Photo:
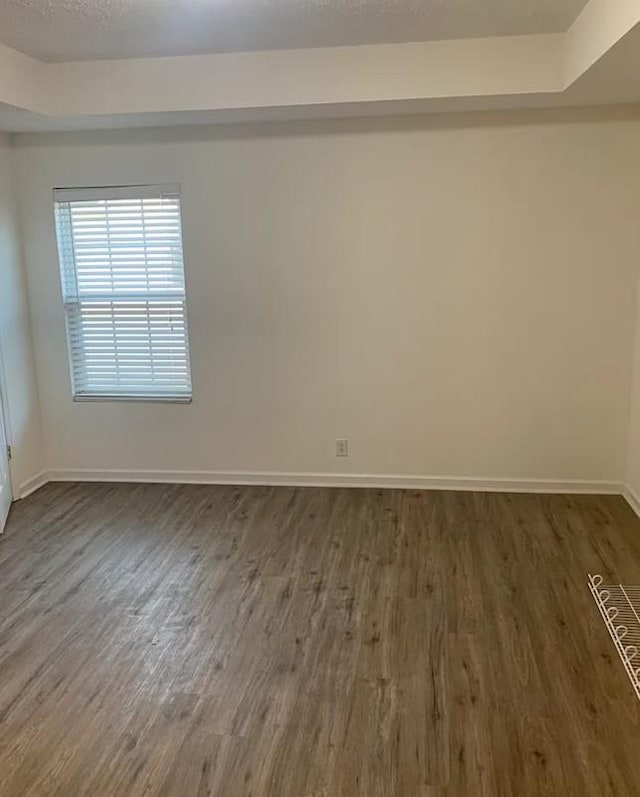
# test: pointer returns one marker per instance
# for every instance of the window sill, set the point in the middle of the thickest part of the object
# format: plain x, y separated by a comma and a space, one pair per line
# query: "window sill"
137, 399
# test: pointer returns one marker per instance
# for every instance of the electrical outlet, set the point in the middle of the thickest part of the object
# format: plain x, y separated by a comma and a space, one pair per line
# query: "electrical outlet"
342, 448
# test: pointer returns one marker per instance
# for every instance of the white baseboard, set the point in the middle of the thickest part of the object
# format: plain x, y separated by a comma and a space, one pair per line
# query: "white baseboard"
632, 499
472, 484
34, 483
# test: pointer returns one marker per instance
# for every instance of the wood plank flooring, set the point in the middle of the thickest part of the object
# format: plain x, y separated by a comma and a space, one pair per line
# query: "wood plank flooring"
277, 642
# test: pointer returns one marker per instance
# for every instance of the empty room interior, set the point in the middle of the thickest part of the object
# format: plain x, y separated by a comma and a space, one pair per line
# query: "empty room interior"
319, 398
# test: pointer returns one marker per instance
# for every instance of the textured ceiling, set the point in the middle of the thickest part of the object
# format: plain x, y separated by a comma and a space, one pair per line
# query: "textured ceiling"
67, 30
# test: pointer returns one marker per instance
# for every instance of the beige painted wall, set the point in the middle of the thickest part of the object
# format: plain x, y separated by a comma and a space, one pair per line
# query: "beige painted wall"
456, 295
15, 336
633, 461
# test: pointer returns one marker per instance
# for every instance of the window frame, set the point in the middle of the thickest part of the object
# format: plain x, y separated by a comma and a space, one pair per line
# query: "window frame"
96, 193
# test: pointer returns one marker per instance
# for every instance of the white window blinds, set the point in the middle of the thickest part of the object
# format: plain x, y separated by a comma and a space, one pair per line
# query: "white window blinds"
121, 265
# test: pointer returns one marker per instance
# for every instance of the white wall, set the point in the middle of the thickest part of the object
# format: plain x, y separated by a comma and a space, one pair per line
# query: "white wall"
456, 295
15, 337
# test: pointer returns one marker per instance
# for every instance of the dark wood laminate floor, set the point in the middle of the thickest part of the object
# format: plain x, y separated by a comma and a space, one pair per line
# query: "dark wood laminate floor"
189, 641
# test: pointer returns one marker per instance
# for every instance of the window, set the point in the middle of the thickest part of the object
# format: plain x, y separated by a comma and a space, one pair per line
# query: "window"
122, 272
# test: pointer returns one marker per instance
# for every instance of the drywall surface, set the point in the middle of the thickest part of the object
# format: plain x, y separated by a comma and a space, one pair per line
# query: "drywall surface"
455, 295
15, 337
633, 463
